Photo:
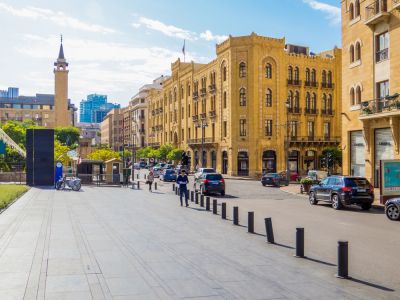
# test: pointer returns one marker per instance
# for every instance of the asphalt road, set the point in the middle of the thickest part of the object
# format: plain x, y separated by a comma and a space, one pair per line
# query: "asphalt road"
374, 241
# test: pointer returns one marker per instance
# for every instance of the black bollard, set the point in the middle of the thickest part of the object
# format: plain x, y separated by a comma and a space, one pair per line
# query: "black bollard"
192, 196
223, 211
155, 185
299, 242
207, 203
176, 190
235, 215
138, 185
197, 198
201, 200
250, 222
173, 187
215, 207
269, 230
343, 260
144, 176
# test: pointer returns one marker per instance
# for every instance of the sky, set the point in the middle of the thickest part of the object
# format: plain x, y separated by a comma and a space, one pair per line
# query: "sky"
115, 47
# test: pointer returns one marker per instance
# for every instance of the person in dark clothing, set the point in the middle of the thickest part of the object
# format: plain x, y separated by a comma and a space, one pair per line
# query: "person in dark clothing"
183, 181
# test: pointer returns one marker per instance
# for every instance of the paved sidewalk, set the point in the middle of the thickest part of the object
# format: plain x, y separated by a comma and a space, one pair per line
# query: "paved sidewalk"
118, 243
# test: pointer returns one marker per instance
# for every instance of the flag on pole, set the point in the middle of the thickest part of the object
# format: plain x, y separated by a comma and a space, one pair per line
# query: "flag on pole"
184, 50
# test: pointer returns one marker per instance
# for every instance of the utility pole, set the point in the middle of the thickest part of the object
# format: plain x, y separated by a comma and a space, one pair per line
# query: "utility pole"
287, 103
203, 124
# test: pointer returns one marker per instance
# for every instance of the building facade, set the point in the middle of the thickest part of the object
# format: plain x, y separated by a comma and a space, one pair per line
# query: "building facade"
371, 85
238, 112
95, 108
43, 109
112, 129
11, 92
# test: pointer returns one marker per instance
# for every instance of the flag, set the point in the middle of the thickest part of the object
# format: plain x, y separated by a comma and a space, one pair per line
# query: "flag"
183, 48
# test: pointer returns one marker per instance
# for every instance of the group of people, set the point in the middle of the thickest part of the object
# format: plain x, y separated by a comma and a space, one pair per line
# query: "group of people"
182, 180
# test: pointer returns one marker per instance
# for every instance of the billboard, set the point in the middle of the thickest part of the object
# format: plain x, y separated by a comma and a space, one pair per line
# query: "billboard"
390, 177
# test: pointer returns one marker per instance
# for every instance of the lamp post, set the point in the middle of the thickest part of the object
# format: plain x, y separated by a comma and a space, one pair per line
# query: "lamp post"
287, 103
203, 124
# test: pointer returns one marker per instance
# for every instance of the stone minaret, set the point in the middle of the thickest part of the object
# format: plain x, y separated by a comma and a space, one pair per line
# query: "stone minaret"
62, 115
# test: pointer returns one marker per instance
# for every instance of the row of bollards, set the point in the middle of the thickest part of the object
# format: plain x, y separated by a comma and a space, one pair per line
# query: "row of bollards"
342, 271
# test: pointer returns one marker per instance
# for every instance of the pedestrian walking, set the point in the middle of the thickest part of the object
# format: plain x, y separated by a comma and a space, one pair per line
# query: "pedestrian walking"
150, 180
183, 181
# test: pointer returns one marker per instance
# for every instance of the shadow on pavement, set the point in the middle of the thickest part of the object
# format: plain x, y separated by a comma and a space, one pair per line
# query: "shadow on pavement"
354, 208
374, 285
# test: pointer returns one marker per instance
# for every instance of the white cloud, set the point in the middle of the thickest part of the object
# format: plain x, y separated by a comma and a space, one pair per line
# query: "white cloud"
136, 25
168, 30
56, 17
209, 36
333, 12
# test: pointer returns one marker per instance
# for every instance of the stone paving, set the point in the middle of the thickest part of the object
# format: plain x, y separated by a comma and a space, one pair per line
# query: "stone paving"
118, 243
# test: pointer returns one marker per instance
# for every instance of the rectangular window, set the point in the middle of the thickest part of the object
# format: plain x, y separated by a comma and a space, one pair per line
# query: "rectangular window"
225, 129
268, 127
310, 129
242, 127
327, 130
382, 46
293, 129
382, 89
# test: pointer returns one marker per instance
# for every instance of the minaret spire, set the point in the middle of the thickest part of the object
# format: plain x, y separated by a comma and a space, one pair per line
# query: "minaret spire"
61, 52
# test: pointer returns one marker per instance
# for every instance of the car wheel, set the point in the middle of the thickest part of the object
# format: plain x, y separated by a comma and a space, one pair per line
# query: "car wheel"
223, 193
366, 206
264, 184
313, 199
336, 204
393, 212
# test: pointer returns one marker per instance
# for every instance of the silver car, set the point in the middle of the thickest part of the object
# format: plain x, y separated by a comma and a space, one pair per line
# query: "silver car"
392, 209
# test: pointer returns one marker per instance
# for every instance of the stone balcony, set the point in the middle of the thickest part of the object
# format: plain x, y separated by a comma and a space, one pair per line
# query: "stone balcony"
376, 12
380, 108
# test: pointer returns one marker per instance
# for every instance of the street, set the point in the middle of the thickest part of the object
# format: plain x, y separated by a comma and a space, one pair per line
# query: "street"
374, 242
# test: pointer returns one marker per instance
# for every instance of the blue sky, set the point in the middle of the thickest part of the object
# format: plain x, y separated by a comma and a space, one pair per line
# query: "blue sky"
114, 47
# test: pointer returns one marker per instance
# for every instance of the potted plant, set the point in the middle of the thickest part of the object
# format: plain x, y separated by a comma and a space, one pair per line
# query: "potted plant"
306, 184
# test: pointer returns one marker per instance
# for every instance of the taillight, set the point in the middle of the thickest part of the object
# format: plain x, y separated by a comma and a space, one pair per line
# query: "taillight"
222, 180
371, 188
347, 189
206, 181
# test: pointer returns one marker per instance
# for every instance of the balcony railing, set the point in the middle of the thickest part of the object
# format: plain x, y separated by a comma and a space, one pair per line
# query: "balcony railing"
203, 92
315, 139
212, 88
195, 95
203, 116
382, 55
376, 12
212, 113
155, 144
200, 141
195, 118
310, 111
311, 83
327, 112
295, 82
388, 105
294, 110
327, 85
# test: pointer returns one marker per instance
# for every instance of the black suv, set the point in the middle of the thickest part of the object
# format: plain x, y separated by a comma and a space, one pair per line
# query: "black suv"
210, 183
343, 190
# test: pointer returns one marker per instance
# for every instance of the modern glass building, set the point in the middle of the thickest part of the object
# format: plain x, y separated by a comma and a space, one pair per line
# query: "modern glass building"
95, 108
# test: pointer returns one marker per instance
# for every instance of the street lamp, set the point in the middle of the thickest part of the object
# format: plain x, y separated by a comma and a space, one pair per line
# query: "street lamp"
287, 103
203, 124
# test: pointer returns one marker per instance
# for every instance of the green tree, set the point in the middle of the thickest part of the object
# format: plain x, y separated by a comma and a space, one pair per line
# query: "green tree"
164, 150
103, 154
17, 130
175, 155
153, 153
143, 152
68, 135
331, 158
60, 153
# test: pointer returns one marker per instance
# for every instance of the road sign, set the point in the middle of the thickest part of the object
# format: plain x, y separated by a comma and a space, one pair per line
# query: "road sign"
72, 153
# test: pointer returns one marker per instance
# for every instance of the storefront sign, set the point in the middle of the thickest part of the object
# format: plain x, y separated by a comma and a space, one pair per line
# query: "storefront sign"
390, 178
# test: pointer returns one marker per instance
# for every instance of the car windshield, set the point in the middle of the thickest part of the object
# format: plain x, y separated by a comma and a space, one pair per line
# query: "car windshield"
208, 170
272, 175
356, 182
169, 172
214, 177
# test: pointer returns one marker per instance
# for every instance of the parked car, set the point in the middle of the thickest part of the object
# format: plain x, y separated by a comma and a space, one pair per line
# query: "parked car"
275, 179
343, 190
143, 165
392, 209
293, 175
202, 171
210, 183
157, 172
168, 175
136, 166
168, 167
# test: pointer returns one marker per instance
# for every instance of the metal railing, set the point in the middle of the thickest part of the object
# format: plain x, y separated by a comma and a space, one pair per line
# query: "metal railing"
295, 82
294, 110
310, 111
382, 55
212, 114
317, 139
375, 8
380, 105
311, 83
199, 141
327, 112
327, 85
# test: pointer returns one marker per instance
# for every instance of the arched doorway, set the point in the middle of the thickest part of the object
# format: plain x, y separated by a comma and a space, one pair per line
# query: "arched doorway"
243, 163
310, 160
213, 160
204, 159
224, 162
269, 161
294, 158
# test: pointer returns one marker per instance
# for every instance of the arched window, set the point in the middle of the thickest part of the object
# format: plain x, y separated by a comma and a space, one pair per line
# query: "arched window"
308, 75
357, 8
313, 75
329, 103
242, 97
224, 73
329, 77
358, 95
225, 100
290, 98
242, 70
314, 101
268, 71
297, 99
296, 73
351, 11
358, 51
323, 76
324, 102
351, 54
290, 73
308, 101
352, 97
268, 98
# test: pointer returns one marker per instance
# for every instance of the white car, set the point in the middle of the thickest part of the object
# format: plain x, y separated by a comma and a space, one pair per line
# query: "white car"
202, 171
